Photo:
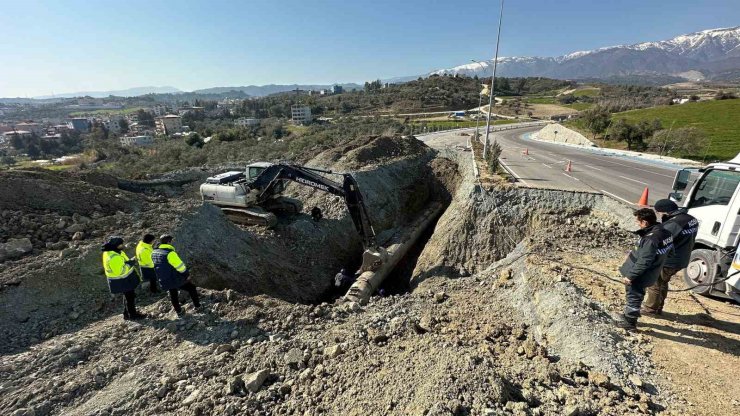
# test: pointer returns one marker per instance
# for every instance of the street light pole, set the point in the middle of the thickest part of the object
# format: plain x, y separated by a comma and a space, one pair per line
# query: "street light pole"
493, 80
480, 101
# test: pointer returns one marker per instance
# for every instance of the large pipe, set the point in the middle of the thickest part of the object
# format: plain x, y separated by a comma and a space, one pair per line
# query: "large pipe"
371, 278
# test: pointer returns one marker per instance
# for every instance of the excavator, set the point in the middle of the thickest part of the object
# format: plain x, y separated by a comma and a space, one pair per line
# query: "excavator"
252, 197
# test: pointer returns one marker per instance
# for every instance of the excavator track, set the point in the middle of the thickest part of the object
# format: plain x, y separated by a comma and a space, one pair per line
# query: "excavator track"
250, 216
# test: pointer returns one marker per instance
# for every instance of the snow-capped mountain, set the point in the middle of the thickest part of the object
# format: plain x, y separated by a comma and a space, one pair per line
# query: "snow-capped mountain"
704, 53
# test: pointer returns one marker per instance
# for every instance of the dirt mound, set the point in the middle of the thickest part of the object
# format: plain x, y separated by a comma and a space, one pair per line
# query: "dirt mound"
371, 151
40, 190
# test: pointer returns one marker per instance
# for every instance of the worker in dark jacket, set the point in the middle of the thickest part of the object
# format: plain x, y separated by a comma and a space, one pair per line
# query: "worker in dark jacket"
172, 273
642, 266
121, 275
342, 281
683, 227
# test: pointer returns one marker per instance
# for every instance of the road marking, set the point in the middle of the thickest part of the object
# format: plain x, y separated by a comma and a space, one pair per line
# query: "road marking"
547, 166
572, 177
634, 180
614, 196
515, 175
644, 170
591, 167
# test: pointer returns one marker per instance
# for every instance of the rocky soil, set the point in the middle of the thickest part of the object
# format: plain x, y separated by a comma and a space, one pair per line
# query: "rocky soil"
505, 315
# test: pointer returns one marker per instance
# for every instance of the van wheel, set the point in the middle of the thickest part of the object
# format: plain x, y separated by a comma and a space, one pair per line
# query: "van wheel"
701, 270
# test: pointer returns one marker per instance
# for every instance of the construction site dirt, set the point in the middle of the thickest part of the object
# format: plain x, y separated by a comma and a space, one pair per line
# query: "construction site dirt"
502, 307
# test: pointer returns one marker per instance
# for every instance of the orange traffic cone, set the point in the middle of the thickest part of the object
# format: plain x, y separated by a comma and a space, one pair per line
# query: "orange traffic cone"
569, 167
643, 202
526, 151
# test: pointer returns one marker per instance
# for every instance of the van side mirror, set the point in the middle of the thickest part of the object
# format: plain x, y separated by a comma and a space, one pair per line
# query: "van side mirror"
675, 196
681, 181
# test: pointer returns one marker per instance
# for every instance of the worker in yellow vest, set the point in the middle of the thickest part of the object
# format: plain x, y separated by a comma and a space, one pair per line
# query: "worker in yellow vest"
121, 275
146, 265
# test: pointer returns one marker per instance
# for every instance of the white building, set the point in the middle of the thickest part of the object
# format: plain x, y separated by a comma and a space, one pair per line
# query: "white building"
137, 141
301, 114
113, 125
245, 122
159, 110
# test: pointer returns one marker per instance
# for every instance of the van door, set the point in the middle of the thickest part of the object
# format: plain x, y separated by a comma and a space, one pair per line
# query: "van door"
715, 204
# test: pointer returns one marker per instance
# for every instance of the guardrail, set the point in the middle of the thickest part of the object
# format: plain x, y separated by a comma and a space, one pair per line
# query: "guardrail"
502, 127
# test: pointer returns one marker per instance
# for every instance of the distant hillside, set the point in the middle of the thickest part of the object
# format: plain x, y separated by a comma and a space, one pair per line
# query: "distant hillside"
718, 119
130, 92
263, 90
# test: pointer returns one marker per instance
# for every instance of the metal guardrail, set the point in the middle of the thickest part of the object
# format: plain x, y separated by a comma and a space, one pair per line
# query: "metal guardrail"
502, 127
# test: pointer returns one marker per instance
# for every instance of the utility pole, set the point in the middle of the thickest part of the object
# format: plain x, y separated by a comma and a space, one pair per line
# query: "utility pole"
493, 80
480, 101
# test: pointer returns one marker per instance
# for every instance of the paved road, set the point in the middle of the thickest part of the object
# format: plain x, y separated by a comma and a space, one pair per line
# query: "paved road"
621, 177
624, 178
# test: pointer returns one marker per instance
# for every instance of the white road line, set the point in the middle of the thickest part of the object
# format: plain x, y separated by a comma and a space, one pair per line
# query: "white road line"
547, 166
572, 177
644, 170
614, 196
634, 180
515, 175
591, 167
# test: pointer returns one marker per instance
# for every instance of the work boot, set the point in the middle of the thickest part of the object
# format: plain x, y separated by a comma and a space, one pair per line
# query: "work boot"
650, 311
630, 324
135, 316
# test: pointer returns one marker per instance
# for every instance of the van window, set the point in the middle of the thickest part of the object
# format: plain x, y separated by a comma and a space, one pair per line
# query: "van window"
716, 188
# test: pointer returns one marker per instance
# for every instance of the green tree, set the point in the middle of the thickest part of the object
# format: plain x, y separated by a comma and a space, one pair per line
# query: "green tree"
567, 99
194, 140
596, 119
124, 125
7, 160
33, 151
145, 118
683, 141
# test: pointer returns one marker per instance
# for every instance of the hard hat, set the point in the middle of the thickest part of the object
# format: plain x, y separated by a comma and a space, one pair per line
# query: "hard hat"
165, 237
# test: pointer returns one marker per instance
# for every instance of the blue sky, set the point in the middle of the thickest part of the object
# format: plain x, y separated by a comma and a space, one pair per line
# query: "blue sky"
70, 45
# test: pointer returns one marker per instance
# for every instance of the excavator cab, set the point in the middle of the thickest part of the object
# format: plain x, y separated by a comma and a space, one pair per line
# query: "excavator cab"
255, 169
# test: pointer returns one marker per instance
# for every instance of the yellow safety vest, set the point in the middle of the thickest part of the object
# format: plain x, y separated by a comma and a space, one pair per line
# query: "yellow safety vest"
144, 255
173, 258
115, 265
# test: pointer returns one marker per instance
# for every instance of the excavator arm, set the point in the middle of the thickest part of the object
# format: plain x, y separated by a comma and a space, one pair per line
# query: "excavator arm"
270, 179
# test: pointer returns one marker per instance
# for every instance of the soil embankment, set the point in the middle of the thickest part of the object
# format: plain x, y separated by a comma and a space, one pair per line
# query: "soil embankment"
508, 314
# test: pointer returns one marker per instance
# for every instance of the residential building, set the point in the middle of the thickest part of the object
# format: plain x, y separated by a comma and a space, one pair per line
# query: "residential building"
136, 140
169, 124
113, 125
34, 128
301, 114
337, 89
20, 133
193, 109
81, 124
159, 110
137, 129
246, 122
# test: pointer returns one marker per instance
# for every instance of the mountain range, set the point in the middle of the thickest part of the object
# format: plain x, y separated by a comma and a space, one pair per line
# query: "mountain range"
130, 92
709, 54
263, 90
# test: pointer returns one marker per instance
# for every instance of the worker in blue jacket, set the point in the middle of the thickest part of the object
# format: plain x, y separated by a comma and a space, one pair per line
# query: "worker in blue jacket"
172, 273
643, 265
